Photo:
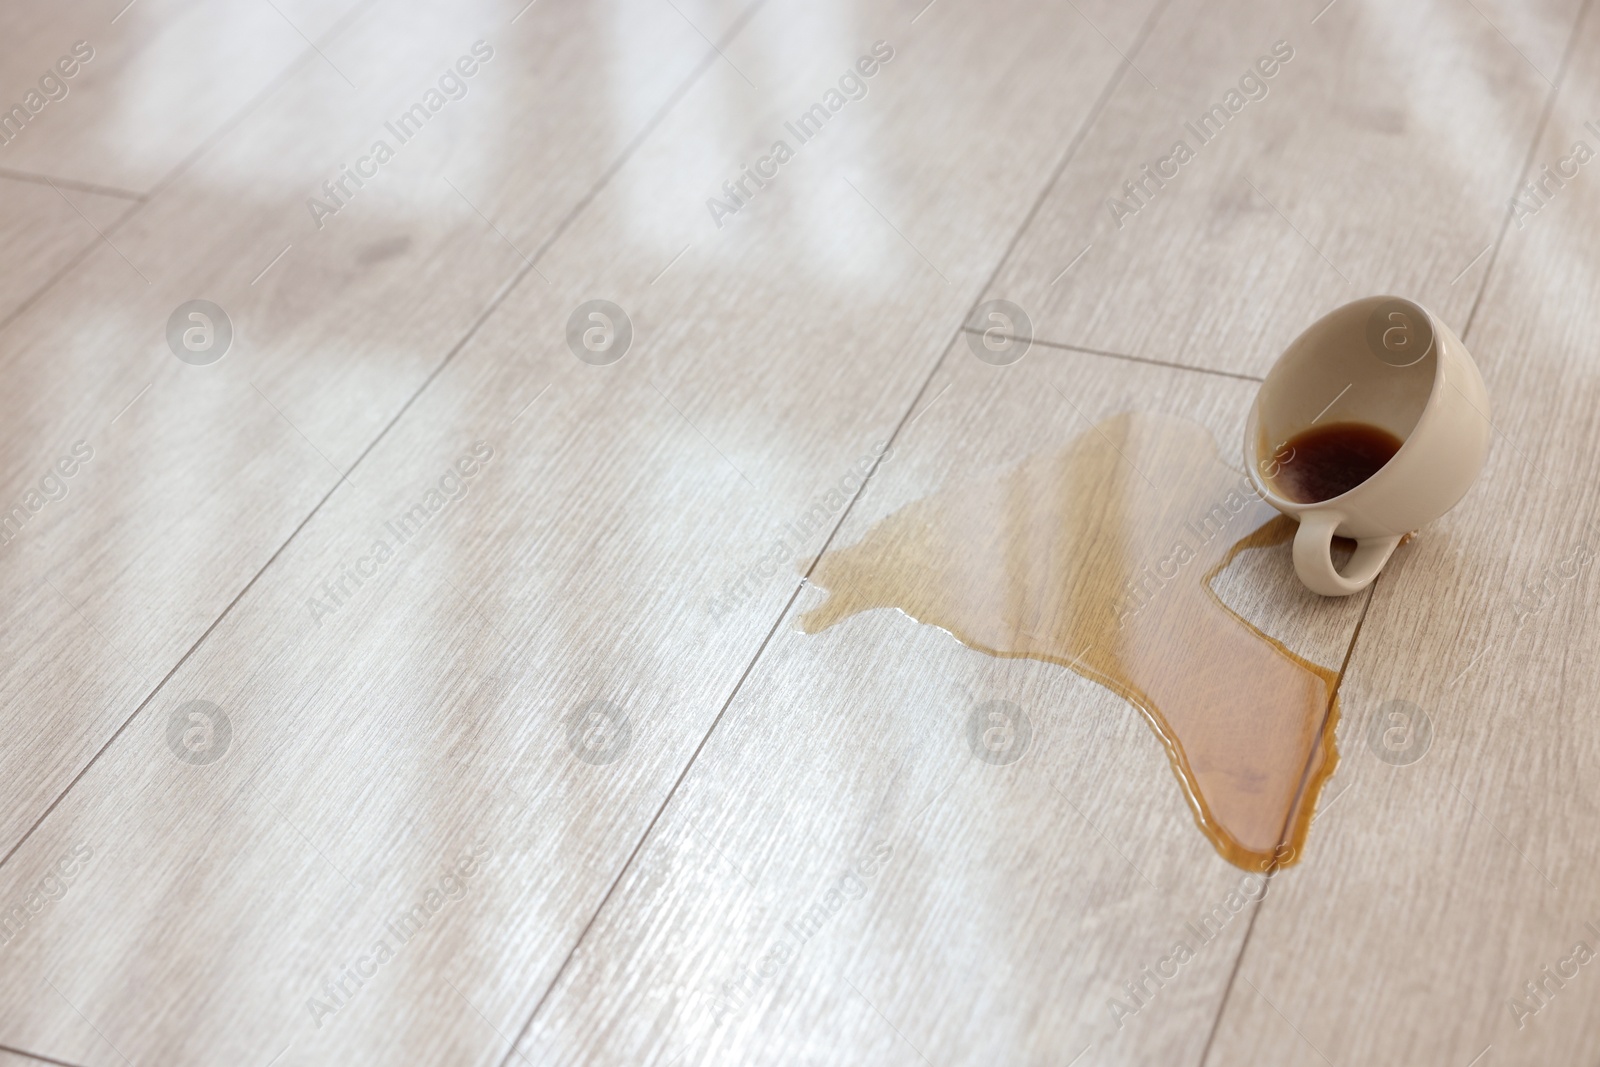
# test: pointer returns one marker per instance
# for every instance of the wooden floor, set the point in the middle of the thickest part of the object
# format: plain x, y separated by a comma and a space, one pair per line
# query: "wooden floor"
578, 791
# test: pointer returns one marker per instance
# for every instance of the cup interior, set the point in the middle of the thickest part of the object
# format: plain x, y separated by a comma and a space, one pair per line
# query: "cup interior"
1373, 361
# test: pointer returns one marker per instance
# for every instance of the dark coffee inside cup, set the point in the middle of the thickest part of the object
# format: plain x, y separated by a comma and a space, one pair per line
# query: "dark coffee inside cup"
1327, 461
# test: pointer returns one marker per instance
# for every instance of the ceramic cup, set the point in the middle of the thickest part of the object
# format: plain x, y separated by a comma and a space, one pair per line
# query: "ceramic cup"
1387, 362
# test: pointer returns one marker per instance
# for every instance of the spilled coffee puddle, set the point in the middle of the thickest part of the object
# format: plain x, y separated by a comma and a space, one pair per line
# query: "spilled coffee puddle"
1099, 558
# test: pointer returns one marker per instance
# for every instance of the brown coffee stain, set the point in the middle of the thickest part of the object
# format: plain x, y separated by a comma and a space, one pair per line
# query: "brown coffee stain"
1099, 558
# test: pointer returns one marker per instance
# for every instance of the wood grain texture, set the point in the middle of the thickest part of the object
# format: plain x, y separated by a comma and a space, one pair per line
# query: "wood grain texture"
1017, 899
1447, 884
8, 1059
44, 230
426, 714
164, 77
200, 474
1378, 161
408, 758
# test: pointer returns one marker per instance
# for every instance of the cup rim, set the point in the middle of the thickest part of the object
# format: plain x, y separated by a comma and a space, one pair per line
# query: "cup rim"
1428, 416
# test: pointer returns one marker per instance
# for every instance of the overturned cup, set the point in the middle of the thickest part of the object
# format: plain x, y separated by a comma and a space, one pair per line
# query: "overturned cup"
1373, 423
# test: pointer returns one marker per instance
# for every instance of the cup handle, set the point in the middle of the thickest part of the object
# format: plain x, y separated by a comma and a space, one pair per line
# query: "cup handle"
1313, 556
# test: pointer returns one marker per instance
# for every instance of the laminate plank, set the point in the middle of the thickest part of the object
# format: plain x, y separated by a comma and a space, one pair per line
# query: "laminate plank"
196, 475
150, 81
584, 538
8, 1059
1015, 900
429, 711
581, 554
1451, 880
1377, 160
691, 915
43, 229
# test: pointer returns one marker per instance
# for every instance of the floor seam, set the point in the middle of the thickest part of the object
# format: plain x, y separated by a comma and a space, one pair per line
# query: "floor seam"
70, 183
183, 166
1527, 163
39, 1057
1073, 145
1151, 360
733, 31
73, 262
505, 290
1333, 697
339, 27
1071, 151
1483, 287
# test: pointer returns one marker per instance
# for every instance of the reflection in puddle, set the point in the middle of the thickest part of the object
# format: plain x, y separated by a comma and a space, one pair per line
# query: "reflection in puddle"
1099, 558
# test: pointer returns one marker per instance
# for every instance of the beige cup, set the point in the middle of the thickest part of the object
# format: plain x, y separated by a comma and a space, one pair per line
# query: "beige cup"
1386, 362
